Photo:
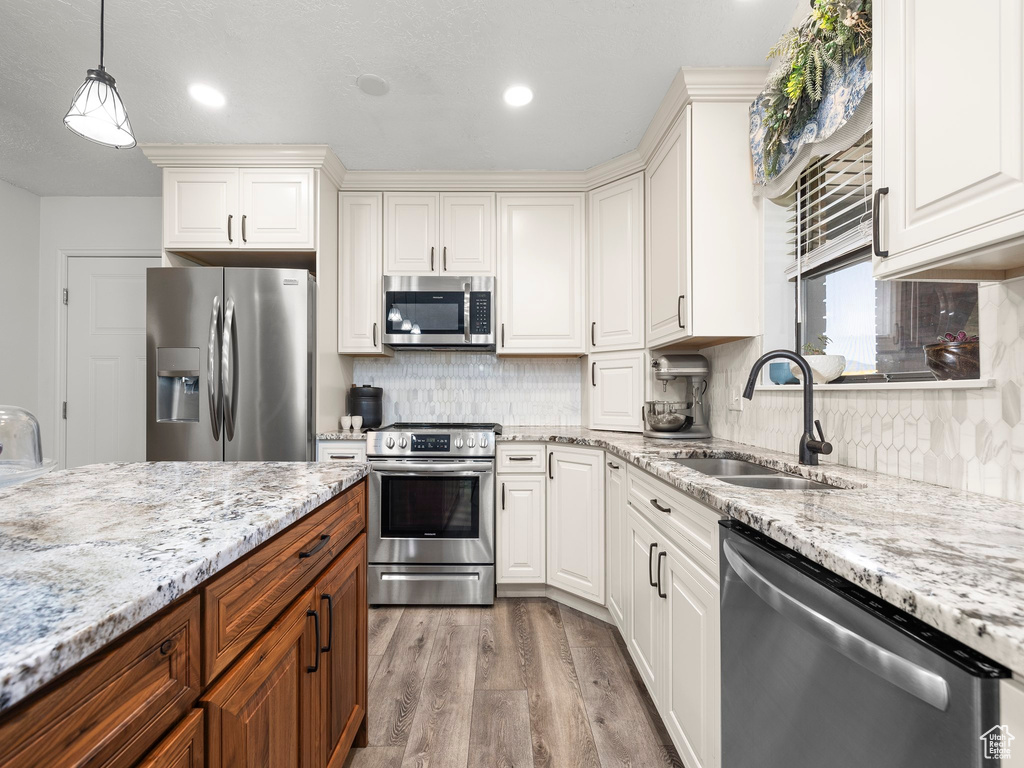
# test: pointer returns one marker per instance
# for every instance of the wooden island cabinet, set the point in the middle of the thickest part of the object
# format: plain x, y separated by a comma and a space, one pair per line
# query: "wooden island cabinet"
264, 664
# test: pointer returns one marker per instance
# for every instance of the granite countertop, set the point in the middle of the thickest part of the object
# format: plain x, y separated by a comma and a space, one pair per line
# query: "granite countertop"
348, 434
953, 559
86, 554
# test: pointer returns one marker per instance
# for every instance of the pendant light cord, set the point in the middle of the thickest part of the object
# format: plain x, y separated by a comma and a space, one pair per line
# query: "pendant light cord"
101, 33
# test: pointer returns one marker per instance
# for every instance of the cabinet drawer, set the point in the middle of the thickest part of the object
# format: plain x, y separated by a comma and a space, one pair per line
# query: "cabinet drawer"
341, 450
182, 747
695, 526
244, 600
113, 708
520, 457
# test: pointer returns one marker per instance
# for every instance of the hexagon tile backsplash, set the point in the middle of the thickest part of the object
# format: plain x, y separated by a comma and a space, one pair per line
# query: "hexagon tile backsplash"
964, 439
470, 386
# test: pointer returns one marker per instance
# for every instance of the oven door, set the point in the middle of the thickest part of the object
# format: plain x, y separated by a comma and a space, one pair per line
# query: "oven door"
431, 511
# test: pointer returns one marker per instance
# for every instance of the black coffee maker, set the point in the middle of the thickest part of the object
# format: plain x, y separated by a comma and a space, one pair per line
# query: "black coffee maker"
368, 402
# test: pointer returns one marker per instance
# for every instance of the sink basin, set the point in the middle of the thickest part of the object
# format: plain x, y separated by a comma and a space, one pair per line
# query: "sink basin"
779, 482
725, 467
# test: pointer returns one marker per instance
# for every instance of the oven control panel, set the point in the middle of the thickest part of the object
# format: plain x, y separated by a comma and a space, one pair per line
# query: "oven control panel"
431, 443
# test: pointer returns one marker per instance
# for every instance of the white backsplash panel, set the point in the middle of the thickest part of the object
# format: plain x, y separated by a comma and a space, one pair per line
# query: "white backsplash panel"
470, 386
963, 439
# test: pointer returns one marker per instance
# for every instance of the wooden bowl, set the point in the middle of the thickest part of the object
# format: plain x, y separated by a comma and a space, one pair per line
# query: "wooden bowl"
953, 359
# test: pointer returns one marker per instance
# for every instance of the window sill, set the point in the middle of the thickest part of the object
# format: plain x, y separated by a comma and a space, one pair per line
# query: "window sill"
884, 385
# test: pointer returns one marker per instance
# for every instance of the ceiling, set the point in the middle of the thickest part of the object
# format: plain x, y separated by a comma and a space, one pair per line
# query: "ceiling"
598, 68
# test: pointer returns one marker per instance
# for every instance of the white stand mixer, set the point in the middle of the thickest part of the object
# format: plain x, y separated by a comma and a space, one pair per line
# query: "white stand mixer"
685, 417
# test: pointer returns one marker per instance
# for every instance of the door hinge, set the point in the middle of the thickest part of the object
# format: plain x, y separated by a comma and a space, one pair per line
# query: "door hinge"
64, 410
65, 296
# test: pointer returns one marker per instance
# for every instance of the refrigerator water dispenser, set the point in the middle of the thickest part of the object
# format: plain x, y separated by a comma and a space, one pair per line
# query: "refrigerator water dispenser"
177, 384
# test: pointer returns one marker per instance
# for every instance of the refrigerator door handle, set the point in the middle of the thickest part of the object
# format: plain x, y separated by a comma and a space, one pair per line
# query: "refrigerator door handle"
212, 379
227, 373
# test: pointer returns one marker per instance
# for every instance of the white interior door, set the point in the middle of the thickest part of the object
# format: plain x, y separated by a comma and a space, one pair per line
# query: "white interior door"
106, 359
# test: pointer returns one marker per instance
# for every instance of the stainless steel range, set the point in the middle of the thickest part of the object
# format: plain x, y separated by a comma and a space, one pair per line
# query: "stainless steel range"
431, 510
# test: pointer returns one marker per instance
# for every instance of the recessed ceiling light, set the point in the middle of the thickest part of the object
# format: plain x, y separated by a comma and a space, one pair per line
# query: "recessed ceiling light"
518, 95
372, 85
206, 95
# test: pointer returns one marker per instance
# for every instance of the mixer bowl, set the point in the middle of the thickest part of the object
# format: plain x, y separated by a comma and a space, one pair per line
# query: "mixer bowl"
666, 415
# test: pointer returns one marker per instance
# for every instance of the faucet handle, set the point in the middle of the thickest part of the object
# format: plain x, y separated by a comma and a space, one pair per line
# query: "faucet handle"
824, 445
817, 426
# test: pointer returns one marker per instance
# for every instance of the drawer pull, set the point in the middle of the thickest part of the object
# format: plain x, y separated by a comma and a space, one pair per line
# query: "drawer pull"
324, 538
330, 622
613, 466
316, 648
657, 506
520, 458
341, 456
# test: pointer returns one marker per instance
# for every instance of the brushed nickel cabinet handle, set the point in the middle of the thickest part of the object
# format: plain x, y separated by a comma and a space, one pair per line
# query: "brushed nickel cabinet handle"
431, 258
876, 223
593, 328
374, 334
444, 258
230, 239
593, 374
679, 311
244, 240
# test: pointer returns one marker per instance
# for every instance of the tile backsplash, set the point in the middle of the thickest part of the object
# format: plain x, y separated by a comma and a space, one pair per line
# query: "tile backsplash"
470, 386
964, 439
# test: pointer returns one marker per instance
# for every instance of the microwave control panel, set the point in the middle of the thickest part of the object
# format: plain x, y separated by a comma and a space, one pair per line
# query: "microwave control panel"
480, 313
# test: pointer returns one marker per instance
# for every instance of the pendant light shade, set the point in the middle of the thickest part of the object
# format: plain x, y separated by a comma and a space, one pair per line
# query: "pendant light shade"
97, 112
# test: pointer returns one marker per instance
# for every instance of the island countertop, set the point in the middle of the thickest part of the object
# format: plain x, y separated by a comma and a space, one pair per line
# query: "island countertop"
88, 553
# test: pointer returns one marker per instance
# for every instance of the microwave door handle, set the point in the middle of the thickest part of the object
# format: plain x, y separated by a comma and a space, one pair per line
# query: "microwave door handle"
903, 673
465, 312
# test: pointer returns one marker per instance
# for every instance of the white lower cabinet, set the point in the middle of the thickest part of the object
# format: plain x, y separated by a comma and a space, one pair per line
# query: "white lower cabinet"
519, 553
643, 624
616, 537
575, 511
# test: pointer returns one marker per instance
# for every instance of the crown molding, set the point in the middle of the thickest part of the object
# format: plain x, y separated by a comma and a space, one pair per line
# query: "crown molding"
318, 156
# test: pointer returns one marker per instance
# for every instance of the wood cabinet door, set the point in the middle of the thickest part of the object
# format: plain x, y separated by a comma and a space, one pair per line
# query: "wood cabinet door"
692, 673
643, 615
616, 265
264, 710
614, 392
467, 234
411, 243
341, 595
541, 274
949, 144
575, 491
183, 747
617, 538
278, 209
520, 543
360, 265
201, 208
668, 237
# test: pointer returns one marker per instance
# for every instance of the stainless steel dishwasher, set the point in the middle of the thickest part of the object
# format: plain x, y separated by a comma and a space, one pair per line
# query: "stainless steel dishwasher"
818, 672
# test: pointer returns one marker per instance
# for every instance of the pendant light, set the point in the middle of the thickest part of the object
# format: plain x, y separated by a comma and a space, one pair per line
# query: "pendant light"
96, 112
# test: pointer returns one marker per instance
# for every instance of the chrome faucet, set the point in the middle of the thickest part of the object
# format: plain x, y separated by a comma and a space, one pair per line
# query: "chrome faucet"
810, 446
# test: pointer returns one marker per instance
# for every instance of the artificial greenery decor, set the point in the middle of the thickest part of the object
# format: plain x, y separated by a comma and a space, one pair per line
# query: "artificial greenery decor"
835, 32
817, 349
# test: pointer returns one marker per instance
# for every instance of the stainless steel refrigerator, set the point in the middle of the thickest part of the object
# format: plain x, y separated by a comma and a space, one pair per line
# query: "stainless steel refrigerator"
230, 356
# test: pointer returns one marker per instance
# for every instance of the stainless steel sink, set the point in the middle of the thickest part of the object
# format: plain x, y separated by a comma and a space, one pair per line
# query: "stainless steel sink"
779, 482
725, 467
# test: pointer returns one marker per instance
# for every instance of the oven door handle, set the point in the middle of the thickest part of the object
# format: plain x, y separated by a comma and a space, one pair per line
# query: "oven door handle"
453, 468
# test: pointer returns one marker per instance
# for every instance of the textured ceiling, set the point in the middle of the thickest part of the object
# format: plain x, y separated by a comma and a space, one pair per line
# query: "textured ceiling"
598, 68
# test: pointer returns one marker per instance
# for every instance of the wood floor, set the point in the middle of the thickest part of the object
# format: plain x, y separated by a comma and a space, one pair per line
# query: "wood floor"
525, 682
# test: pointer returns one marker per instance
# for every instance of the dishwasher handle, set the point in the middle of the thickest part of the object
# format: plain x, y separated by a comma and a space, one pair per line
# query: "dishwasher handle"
903, 673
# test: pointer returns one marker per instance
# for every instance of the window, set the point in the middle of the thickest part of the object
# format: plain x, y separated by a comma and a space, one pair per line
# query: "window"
879, 326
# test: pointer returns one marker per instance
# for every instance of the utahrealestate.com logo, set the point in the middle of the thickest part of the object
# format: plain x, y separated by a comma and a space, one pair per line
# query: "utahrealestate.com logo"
997, 742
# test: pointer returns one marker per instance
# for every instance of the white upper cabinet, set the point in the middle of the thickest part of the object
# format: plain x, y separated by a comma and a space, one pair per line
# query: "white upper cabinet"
616, 265
250, 208
360, 259
467, 234
411, 242
949, 139
540, 274
277, 208
613, 392
575, 512
201, 208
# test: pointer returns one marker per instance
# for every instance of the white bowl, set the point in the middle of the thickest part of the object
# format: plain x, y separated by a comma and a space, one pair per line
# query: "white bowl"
825, 368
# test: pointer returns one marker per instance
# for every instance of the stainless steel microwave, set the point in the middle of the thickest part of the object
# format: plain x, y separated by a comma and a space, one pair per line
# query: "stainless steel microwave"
438, 312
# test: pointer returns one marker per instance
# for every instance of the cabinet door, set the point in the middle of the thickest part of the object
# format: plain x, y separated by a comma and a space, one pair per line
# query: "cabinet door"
278, 207
181, 748
575, 512
540, 266
614, 391
643, 612
520, 542
616, 265
467, 234
201, 208
410, 234
692, 689
263, 710
360, 258
617, 536
937, 206
341, 594
668, 237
